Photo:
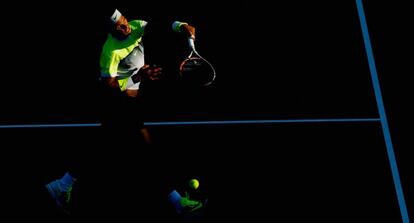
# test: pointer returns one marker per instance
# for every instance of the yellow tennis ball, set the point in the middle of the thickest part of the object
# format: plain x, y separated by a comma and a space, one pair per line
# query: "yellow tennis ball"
194, 184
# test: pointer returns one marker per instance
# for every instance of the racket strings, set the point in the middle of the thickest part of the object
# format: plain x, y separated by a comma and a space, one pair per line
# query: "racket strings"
197, 70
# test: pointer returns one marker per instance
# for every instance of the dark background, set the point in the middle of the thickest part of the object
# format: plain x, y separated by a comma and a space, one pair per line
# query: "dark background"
273, 61
392, 45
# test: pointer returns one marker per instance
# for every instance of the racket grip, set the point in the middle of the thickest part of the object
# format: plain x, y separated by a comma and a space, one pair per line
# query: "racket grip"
191, 43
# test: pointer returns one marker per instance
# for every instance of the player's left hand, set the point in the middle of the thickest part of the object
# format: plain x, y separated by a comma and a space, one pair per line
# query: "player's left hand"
189, 30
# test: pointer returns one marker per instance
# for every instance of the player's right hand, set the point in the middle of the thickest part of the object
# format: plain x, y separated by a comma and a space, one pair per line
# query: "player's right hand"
150, 72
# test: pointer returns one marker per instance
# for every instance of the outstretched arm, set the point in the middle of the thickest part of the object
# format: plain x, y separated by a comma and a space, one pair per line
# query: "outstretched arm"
112, 82
185, 28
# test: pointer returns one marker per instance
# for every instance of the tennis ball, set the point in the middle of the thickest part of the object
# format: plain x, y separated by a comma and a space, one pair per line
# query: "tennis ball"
194, 184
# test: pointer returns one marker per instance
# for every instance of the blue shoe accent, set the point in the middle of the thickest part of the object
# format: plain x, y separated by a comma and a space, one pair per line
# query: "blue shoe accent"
61, 194
174, 197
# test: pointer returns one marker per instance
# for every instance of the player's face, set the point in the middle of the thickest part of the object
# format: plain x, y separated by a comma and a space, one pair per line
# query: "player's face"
122, 28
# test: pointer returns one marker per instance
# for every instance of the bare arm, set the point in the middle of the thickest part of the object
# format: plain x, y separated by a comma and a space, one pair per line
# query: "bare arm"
111, 82
188, 30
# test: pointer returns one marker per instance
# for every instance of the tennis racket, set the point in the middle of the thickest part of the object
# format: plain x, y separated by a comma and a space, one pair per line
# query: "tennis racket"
195, 69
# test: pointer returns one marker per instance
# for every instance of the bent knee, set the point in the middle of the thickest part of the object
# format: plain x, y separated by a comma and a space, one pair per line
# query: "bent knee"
133, 93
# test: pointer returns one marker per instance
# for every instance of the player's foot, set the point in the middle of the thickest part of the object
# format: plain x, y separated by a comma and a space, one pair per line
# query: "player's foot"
61, 194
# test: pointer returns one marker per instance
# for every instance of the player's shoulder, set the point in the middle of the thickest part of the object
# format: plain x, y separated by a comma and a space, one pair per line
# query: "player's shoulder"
138, 23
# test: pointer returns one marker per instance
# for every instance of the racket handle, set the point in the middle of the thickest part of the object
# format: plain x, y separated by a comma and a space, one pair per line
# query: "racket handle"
191, 43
